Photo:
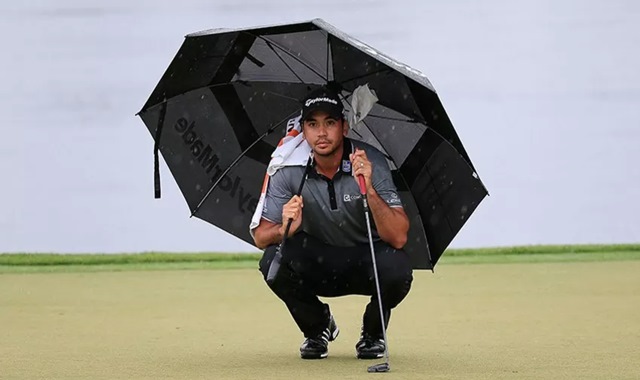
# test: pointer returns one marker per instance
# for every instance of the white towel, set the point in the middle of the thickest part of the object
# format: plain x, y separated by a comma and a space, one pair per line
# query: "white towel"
292, 150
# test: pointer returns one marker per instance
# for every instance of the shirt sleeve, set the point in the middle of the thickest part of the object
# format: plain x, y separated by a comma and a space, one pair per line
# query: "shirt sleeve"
383, 180
278, 193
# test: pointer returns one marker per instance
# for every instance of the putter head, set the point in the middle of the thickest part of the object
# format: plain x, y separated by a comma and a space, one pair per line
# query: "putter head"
382, 367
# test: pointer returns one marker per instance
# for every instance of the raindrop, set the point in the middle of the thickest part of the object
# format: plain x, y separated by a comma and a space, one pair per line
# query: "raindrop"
320, 259
198, 187
202, 97
450, 183
464, 209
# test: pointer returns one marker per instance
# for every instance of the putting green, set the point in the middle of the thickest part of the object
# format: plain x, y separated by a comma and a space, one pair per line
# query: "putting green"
483, 321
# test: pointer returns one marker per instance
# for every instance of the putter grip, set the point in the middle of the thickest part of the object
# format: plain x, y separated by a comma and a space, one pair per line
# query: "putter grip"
277, 258
274, 267
363, 186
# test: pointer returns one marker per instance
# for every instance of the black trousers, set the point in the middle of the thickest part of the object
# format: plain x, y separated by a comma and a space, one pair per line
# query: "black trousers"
312, 268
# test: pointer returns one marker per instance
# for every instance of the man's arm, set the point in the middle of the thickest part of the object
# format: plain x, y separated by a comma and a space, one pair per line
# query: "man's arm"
392, 223
277, 195
267, 233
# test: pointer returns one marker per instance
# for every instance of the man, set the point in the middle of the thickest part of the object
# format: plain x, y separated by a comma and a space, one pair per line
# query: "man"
327, 251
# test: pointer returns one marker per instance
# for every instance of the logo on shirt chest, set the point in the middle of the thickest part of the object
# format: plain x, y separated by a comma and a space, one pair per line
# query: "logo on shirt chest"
351, 197
346, 166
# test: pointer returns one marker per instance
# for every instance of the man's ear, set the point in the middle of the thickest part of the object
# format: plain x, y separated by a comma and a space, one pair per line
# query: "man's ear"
345, 127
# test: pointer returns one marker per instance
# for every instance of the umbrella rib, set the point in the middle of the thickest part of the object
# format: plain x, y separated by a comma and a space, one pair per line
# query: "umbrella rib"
328, 54
283, 61
379, 142
235, 161
395, 119
271, 44
388, 69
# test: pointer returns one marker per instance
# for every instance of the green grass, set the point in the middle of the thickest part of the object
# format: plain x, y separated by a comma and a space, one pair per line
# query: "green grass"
545, 249
473, 322
125, 258
28, 263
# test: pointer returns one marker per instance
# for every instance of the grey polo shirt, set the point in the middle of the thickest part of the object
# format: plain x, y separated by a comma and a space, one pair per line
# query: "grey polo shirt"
333, 210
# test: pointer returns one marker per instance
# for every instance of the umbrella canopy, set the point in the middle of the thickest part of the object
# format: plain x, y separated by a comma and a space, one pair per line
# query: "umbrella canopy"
221, 108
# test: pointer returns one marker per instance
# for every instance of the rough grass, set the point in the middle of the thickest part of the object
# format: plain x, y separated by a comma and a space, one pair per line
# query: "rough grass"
25, 262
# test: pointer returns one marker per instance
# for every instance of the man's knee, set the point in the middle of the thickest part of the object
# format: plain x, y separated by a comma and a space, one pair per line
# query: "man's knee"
267, 258
396, 274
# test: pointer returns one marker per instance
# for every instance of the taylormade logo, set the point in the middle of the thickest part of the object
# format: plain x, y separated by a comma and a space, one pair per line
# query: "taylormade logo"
206, 157
316, 100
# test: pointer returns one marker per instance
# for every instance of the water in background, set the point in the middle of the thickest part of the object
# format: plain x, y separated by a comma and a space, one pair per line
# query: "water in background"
544, 94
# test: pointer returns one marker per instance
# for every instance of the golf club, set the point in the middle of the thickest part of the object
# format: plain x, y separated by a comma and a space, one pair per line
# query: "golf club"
382, 367
277, 258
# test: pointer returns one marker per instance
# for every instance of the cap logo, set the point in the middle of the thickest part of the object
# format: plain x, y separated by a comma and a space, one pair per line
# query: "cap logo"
323, 99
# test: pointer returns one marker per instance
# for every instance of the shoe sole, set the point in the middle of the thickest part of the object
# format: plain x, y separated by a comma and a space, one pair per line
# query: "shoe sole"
369, 356
314, 357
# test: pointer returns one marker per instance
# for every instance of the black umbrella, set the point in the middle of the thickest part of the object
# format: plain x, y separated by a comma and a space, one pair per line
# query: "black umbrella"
221, 107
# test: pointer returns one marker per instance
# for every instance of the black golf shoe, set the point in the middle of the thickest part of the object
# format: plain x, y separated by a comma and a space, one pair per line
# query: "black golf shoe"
318, 347
370, 347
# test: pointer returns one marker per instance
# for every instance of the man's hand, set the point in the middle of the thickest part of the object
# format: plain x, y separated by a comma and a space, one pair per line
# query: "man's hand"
292, 210
360, 165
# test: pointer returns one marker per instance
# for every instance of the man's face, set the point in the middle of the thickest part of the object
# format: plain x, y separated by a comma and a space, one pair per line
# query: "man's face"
324, 133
